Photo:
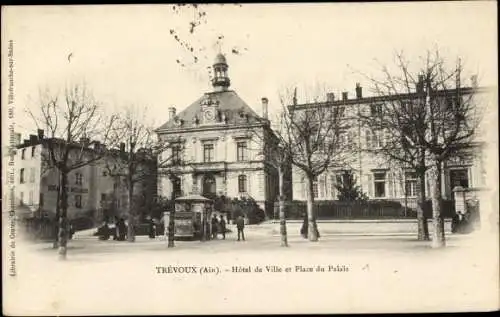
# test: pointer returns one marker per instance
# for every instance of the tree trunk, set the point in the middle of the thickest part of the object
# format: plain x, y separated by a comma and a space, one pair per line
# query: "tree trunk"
171, 223
284, 239
55, 245
312, 232
438, 240
203, 227
423, 227
131, 214
63, 219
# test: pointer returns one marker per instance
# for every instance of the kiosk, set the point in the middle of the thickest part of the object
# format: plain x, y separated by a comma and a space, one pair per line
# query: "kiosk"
192, 217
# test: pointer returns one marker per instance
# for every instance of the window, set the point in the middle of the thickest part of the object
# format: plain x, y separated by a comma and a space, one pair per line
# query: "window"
242, 151
78, 178
459, 177
450, 103
103, 197
339, 111
78, 201
33, 151
32, 175
23, 154
208, 152
176, 154
40, 202
21, 176
376, 139
368, 135
410, 184
242, 184
104, 173
339, 179
407, 107
376, 109
342, 178
379, 184
21, 198
30, 198
315, 187
333, 189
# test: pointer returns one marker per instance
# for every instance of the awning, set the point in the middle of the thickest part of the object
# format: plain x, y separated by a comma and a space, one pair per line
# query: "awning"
193, 198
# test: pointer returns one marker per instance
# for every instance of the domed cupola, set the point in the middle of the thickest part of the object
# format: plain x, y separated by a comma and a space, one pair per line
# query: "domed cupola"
220, 81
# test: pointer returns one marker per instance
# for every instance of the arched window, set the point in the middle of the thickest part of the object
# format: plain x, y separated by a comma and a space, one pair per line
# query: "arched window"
242, 184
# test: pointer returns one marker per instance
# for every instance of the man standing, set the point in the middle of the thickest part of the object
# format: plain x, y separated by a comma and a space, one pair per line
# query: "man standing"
222, 223
240, 225
214, 227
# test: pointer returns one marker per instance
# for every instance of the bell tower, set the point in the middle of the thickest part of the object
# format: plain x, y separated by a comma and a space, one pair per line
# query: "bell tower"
220, 81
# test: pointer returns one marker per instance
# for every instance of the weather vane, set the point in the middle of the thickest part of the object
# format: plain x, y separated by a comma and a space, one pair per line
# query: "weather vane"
218, 43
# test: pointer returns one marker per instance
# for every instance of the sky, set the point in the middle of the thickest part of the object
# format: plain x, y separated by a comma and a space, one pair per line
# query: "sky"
127, 56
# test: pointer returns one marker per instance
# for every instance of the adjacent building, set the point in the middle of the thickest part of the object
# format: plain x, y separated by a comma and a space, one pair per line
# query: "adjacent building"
378, 177
92, 192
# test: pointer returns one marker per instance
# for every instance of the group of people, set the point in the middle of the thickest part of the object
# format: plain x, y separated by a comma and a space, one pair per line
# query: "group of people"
219, 226
119, 231
462, 222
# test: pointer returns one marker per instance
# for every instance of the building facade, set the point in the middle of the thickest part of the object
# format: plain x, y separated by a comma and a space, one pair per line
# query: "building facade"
92, 191
220, 147
379, 178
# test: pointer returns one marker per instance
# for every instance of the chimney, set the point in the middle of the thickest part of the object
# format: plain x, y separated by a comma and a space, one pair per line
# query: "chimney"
85, 141
40, 133
97, 145
359, 91
18, 138
265, 103
344, 95
330, 97
473, 81
33, 139
171, 113
420, 83
122, 147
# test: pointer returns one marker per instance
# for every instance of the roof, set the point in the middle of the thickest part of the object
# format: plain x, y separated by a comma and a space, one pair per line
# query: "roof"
220, 59
386, 98
228, 102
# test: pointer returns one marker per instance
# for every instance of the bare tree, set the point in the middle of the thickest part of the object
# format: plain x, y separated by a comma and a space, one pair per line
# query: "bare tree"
312, 139
137, 160
276, 151
71, 121
428, 118
393, 117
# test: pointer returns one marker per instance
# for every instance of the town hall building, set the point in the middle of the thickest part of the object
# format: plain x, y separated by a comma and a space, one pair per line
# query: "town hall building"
219, 147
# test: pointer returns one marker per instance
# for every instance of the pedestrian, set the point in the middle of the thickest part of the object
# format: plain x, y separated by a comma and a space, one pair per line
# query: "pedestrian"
152, 229
455, 221
240, 225
222, 223
104, 232
71, 231
215, 224
122, 229
115, 229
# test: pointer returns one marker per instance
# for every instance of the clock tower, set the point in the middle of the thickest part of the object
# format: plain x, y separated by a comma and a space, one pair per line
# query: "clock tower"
209, 110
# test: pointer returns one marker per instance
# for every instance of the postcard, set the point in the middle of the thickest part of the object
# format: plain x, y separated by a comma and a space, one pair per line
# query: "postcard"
250, 158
